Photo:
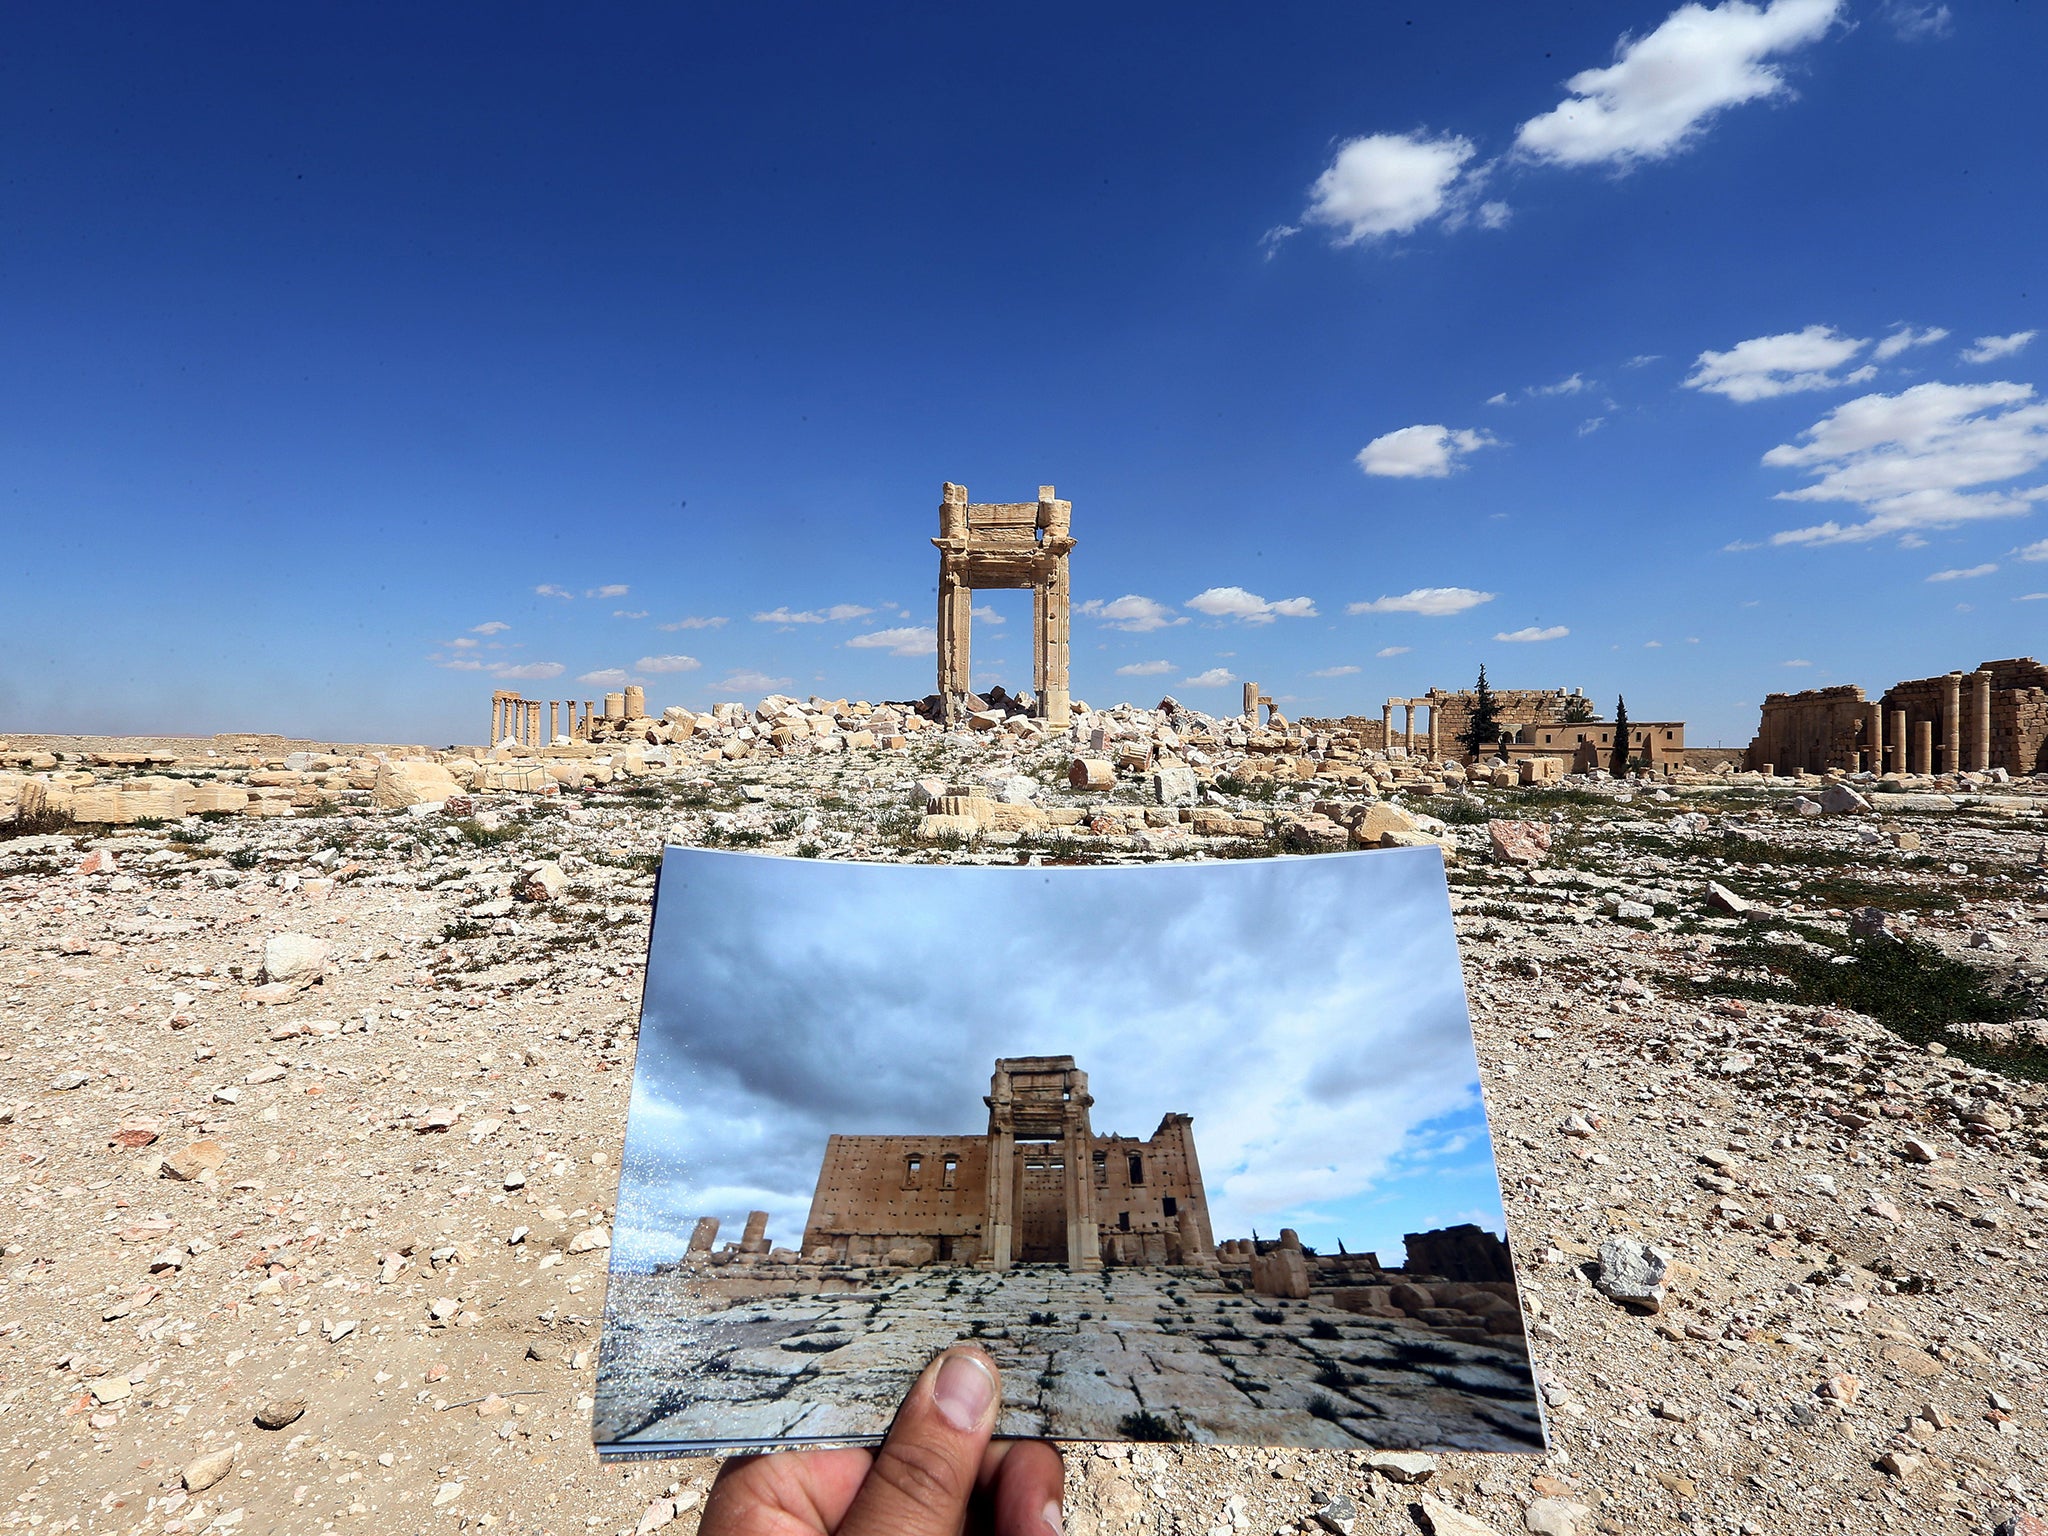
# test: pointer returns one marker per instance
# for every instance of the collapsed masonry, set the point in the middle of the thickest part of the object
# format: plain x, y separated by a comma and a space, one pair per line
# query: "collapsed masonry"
1995, 717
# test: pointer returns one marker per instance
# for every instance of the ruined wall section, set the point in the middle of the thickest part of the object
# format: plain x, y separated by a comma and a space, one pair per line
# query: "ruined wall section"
1810, 731
1141, 1220
1518, 707
869, 1197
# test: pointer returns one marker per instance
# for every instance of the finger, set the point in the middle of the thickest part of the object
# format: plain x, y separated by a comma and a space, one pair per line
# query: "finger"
925, 1471
784, 1494
1023, 1483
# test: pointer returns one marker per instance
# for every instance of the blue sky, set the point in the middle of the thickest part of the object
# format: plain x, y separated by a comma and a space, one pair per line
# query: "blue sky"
1326, 1058
1597, 344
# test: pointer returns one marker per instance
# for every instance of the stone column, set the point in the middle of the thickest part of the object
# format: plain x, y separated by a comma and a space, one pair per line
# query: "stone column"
1041, 641
1251, 702
1435, 749
1898, 742
1408, 731
497, 707
1980, 706
756, 1238
1387, 726
554, 720
1873, 737
589, 714
1952, 723
705, 1234
1923, 746
636, 702
1084, 1242
615, 706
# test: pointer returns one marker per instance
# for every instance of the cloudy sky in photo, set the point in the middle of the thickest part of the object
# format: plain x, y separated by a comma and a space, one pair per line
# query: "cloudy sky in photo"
1309, 1013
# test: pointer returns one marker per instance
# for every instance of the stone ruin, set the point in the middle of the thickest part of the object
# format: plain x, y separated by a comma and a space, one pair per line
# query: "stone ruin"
1993, 718
1005, 544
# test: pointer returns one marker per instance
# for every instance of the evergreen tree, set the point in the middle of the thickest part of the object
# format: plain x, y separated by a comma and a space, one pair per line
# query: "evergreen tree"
1618, 761
1484, 726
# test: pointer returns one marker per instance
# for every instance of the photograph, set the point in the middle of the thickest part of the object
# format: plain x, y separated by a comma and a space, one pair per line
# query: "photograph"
1197, 1152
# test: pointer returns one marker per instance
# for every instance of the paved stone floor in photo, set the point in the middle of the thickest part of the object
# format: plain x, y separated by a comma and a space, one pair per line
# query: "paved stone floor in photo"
1121, 1355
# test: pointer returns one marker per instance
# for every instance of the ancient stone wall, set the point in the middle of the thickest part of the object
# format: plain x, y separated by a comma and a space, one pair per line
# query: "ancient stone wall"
1810, 731
1518, 707
895, 1187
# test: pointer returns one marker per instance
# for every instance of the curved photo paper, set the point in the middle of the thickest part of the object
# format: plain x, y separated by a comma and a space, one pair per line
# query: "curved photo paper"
1196, 1151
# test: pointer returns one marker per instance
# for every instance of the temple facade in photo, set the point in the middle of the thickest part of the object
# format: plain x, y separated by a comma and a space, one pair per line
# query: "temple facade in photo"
1038, 1186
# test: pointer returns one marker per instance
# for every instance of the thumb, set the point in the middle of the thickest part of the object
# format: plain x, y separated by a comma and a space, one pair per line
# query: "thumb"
924, 1473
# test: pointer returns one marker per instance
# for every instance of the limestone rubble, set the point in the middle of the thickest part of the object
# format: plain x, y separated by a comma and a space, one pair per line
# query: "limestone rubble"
382, 1184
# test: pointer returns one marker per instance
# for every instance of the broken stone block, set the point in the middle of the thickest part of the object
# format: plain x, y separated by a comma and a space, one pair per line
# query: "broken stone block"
295, 959
1525, 843
1091, 773
1174, 784
1632, 1273
1718, 895
409, 782
1841, 800
1283, 1272
541, 882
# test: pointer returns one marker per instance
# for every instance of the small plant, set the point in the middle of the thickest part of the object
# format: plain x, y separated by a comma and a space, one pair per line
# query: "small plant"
1042, 1319
477, 835
244, 858
148, 823
462, 929
1323, 1328
1332, 1376
1268, 1316
808, 849
1321, 1406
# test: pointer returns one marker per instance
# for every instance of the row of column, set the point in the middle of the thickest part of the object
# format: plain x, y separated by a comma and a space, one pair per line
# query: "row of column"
520, 719
1408, 735
1910, 747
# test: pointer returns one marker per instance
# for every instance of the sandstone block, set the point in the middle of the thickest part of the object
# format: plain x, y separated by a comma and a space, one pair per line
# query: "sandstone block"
1524, 843
407, 783
1091, 773
939, 828
295, 959
1283, 1272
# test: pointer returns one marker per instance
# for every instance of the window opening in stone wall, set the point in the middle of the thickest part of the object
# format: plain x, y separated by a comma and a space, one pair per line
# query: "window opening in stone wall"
1172, 1205
951, 1167
1137, 1169
1102, 1168
1123, 1221
911, 1167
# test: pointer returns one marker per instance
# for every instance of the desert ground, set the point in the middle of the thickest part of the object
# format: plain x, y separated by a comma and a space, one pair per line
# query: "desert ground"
304, 1236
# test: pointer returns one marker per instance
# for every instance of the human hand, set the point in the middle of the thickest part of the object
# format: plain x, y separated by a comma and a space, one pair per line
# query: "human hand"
937, 1474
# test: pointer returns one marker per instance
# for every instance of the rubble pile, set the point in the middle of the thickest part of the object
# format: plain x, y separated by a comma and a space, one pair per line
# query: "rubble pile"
310, 1104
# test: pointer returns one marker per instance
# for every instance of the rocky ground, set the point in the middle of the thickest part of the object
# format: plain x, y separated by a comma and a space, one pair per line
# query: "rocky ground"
302, 1237
1084, 1357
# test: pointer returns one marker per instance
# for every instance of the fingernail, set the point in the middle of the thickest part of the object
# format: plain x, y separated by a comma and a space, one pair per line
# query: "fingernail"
1051, 1517
964, 1390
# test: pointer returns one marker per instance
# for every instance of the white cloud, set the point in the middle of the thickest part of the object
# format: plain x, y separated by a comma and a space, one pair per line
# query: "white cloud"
2035, 551
1989, 349
1532, 633
1965, 573
1425, 452
1130, 612
1927, 457
2032, 597
1236, 603
629, 613
1591, 425
1387, 184
1215, 677
910, 640
462, 643
458, 663
667, 664
1333, 672
987, 614
1570, 386
606, 677
1653, 645
1767, 366
1902, 338
616, 589
1802, 662
749, 682
494, 627
1643, 359
1145, 669
1499, 399
549, 589
1431, 602
1664, 86
837, 613
1494, 215
716, 621
1913, 21
529, 672
1392, 650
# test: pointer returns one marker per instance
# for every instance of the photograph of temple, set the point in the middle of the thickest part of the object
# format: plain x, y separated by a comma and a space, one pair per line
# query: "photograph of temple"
914, 1155
1039, 1186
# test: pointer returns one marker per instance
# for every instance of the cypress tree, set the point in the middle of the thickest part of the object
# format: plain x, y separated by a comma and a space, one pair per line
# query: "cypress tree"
1618, 761
1484, 726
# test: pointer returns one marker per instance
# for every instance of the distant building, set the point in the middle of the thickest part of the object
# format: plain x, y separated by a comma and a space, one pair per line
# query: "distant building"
1590, 743
1993, 717
1039, 1186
